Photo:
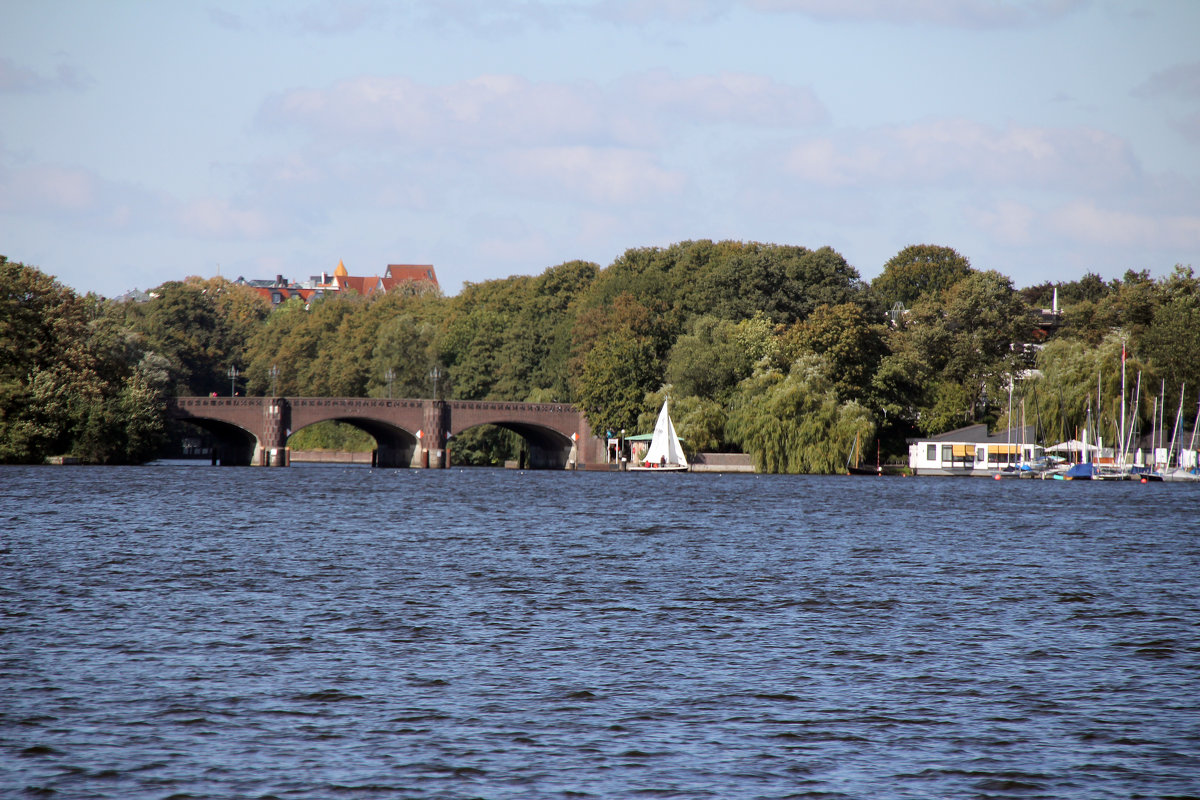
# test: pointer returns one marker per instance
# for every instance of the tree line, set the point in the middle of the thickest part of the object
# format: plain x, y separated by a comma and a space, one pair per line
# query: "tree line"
779, 351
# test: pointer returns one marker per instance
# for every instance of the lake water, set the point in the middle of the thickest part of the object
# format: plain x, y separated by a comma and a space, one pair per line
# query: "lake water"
340, 632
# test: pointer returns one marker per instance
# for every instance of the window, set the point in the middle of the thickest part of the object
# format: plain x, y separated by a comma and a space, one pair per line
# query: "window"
931, 453
947, 452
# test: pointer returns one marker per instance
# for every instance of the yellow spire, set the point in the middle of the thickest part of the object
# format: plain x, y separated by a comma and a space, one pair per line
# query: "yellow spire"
341, 270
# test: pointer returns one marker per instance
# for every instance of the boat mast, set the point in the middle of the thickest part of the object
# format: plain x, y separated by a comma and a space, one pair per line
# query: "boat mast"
1175, 430
1008, 436
1122, 432
1137, 398
1154, 432
1195, 424
1162, 414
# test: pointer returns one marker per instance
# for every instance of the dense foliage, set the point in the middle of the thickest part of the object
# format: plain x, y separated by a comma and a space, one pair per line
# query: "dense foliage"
778, 351
73, 377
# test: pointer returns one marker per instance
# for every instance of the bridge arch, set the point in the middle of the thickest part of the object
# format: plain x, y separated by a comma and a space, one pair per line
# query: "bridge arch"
394, 446
233, 445
550, 430
547, 448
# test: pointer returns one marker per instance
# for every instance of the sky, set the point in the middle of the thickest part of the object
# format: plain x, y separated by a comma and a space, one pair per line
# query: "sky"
144, 142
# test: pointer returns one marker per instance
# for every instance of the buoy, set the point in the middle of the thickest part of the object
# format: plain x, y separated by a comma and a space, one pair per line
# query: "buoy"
1143, 480
997, 476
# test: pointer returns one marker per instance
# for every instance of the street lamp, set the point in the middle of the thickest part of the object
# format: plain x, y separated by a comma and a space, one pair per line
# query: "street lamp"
233, 374
274, 380
389, 375
434, 374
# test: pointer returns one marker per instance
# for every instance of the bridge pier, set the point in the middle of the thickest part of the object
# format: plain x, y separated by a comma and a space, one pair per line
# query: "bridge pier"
270, 449
436, 432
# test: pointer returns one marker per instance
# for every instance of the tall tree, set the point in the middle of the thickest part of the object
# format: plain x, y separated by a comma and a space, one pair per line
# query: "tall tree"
917, 271
972, 335
849, 343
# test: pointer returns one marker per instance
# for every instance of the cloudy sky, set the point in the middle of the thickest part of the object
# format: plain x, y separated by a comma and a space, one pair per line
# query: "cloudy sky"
147, 141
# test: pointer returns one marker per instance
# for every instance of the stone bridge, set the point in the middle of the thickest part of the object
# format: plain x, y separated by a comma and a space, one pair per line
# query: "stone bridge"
408, 433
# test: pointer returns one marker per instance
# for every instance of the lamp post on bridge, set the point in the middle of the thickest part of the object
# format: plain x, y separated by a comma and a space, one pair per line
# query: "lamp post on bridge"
434, 374
389, 376
233, 374
274, 380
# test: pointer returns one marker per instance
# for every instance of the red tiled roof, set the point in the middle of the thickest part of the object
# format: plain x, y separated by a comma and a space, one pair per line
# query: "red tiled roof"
285, 293
409, 272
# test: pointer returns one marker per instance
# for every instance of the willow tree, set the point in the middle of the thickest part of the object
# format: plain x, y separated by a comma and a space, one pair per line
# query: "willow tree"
793, 422
1072, 373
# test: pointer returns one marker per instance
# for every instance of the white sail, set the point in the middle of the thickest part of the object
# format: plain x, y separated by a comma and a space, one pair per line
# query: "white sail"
664, 447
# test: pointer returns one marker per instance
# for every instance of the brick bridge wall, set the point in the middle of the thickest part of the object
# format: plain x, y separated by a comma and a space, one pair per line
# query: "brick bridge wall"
254, 430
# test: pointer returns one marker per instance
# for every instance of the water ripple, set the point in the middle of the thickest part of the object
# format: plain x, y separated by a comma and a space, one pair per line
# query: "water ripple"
332, 632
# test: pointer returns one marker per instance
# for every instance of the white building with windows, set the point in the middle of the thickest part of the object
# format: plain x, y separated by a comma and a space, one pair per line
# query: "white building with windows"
973, 451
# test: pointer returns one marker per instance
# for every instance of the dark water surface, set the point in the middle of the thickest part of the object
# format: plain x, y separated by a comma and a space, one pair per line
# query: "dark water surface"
342, 632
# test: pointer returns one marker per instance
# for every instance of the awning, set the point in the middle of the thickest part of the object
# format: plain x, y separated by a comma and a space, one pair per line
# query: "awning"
1072, 446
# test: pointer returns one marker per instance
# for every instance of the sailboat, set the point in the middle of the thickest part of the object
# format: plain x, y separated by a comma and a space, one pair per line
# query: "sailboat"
665, 454
1188, 465
856, 468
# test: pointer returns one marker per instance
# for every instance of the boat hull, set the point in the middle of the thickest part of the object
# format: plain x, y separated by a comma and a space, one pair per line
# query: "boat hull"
659, 468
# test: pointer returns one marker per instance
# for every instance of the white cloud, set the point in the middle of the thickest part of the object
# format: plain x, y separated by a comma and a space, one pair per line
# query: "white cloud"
594, 174
1086, 222
729, 98
49, 188
336, 18
639, 12
506, 110
81, 198
1008, 222
962, 153
213, 218
482, 112
951, 13
17, 79
1180, 81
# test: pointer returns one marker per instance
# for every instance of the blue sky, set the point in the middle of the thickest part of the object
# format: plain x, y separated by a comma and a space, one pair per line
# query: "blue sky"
147, 141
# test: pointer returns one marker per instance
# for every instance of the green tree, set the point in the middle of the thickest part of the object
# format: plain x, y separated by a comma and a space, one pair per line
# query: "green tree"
618, 372
486, 349
1171, 341
201, 326
617, 358
917, 271
729, 280
716, 354
851, 346
46, 375
972, 334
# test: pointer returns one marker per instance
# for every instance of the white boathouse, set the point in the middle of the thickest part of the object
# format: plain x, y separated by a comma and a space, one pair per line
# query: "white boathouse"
973, 451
